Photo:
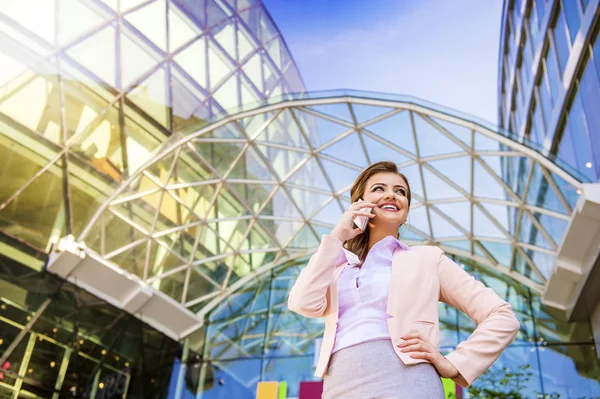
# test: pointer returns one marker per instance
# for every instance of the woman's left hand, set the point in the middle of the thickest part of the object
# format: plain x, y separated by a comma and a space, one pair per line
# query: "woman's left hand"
420, 348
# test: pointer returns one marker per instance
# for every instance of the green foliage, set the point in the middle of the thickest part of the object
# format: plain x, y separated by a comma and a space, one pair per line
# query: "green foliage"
505, 384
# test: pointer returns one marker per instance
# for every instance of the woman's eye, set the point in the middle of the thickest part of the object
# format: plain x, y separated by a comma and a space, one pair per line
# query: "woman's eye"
377, 188
401, 191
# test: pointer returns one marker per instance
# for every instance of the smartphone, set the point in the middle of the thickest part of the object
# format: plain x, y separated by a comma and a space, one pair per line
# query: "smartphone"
361, 221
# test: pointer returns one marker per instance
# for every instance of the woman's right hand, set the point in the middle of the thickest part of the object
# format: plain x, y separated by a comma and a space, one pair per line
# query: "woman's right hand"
346, 229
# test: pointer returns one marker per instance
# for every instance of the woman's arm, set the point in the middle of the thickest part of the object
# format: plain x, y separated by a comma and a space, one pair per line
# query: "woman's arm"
497, 325
308, 296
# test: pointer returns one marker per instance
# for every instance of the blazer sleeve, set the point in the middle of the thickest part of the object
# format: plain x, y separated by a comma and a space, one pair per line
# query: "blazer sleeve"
308, 296
497, 325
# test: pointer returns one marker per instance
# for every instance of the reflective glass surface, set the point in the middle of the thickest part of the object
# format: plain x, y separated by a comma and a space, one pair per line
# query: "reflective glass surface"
73, 344
217, 206
89, 89
254, 332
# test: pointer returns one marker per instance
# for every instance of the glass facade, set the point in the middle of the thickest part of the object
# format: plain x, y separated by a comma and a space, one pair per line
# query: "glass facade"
163, 135
556, 42
252, 336
59, 341
256, 191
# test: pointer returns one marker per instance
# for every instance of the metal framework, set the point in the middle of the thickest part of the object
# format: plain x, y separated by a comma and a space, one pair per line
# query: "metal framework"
214, 209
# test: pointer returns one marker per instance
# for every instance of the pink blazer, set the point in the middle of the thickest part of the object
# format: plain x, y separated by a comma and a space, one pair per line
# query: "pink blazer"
421, 277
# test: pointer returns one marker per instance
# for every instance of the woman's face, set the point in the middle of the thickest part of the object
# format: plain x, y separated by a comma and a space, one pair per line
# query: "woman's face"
389, 192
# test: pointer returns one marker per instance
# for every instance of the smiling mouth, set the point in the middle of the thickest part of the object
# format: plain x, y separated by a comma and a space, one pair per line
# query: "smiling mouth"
390, 208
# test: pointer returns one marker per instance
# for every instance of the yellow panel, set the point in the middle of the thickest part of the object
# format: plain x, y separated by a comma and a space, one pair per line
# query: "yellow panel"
267, 390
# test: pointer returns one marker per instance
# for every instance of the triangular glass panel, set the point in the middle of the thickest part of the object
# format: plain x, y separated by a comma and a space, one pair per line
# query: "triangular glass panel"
341, 176
484, 227
181, 28
437, 188
381, 152
330, 214
310, 175
185, 104
556, 228
227, 95
161, 259
319, 130
219, 66
251, 18
308, 201
304, 239
249, 97
193, 60
275, 48
251, 166
160, 169
485, 186
419, 220
337, 111
224, 34
99, 46
568, 191
348, 149
190, 168
413, 175
151, 21
125, 5
479, 251
409, 234
151, 97
442, 228
215, 13
254, 124
253, 70
74, 19
530, 234
501, 252
459, 212
282, 161
280, 205
485, 143
137, 58
254, 194
500, 213
396, 129
462, 133
246, 44
268, 27
545, 263
431, 140
458, 170
364, 113
31, 18
219, 155
199, 286
464, 245
283, 130
132, 259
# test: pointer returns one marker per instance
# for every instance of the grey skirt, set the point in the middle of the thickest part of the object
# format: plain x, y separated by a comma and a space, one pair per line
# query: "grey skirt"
372, 370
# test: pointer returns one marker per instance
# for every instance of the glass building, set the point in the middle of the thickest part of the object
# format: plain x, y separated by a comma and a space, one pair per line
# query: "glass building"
162, 188
549, 79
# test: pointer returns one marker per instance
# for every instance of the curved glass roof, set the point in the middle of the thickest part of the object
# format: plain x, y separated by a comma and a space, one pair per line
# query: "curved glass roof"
213, 210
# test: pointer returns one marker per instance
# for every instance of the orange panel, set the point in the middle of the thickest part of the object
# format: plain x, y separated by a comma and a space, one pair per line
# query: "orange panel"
267, 390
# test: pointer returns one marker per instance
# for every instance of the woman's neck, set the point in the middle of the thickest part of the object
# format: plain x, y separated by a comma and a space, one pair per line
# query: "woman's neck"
378, 234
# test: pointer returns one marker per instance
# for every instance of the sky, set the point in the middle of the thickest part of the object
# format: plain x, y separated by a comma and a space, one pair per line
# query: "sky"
443, 51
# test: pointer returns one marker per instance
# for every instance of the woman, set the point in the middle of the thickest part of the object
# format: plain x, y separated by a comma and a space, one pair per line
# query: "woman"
380, 303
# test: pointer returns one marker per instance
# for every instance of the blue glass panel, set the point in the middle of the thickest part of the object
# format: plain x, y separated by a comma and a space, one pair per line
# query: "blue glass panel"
573, 21
554, 77
561, 40
589, 91
581, 138
563, 376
